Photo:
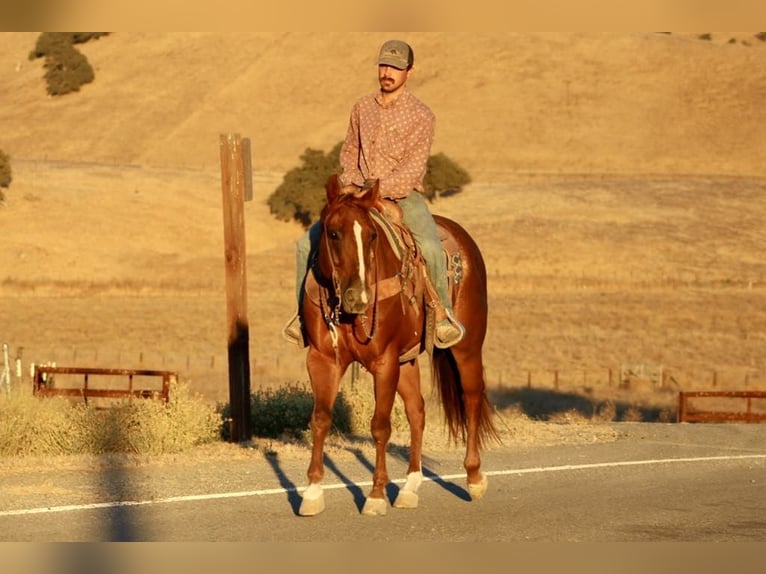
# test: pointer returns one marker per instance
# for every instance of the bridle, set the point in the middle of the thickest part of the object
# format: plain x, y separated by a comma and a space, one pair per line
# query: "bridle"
332, 313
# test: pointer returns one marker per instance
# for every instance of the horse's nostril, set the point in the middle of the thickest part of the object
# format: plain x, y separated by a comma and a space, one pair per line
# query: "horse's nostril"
350, 297
354, 300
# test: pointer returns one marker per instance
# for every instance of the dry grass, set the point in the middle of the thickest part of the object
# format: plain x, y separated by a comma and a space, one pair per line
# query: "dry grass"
54, 426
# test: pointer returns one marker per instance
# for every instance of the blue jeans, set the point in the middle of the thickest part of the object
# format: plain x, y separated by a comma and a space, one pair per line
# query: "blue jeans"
420, 222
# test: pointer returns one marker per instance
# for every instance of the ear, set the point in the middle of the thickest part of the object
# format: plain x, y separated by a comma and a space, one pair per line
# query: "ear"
332, 188
370, 197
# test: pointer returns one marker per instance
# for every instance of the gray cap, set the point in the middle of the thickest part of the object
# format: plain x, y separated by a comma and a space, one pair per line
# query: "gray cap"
396, 54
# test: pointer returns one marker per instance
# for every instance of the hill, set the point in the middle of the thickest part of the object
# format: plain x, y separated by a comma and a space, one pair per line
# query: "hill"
505, 103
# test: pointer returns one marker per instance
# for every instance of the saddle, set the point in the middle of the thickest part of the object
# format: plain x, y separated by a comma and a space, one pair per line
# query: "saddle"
412, 282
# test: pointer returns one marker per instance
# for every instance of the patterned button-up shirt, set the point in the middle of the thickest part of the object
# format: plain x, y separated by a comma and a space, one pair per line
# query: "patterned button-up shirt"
388, 142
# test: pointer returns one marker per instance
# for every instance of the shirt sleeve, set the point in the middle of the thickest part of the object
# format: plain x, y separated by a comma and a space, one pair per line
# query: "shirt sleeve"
349, 152
409, 174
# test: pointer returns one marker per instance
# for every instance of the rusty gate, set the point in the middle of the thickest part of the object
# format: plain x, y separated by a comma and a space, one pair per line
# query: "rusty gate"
45, 383
686, 414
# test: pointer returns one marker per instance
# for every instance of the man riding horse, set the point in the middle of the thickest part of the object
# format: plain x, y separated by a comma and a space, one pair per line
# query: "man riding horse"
389, 139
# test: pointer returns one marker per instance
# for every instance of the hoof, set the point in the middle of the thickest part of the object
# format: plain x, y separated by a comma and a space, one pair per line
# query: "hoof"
476, 491
313, 501
375, 507
406, 499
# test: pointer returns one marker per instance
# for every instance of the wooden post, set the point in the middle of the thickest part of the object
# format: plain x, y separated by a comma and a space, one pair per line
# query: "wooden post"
233, 178
354, 374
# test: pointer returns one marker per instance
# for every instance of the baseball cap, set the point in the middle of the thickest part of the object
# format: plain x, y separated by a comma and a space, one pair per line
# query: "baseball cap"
396, 54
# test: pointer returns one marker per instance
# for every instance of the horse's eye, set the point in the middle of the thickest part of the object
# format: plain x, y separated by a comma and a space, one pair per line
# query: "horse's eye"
374, 236
334, 235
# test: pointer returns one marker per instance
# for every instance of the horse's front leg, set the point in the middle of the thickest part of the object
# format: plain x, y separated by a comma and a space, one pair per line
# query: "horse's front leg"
414, 407
325, 375
385, 373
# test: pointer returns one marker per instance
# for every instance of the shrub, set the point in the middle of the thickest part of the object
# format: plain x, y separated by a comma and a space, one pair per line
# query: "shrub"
301, 194
53, 426
444, 177
286, 412
67, 71
48, 43
66, 68
5, 172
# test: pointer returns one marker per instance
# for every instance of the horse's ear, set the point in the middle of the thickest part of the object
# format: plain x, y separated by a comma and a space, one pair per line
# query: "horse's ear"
332, 187
371, 193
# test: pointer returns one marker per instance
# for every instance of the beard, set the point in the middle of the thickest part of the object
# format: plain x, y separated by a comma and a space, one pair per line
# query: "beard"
388, 85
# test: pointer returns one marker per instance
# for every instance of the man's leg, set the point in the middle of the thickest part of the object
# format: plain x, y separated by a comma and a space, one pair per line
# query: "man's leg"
418, 218
293, 331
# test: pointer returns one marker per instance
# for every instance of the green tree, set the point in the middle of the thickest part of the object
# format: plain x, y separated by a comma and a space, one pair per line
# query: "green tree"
301, 194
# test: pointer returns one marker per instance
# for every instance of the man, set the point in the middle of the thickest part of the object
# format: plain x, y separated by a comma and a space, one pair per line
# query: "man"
389, 138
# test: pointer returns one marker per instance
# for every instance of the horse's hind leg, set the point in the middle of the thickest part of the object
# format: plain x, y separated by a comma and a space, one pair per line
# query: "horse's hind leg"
325, 383
414, 406
474, 400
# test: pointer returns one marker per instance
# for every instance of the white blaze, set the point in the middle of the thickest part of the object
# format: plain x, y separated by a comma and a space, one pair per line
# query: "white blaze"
360, 256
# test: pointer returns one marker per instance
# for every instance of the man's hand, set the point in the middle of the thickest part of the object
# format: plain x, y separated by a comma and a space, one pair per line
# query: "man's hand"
356, 191
352, 189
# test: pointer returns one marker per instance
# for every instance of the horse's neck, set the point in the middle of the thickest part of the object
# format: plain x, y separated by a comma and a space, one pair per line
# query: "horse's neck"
395, 232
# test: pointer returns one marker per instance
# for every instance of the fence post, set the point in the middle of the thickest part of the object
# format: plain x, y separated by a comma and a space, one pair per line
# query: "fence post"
5, 376
234, 187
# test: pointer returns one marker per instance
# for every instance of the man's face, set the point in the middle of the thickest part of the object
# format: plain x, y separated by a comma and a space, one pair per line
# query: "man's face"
391, 79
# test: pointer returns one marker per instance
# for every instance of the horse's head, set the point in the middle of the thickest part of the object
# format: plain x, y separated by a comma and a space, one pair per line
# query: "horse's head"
349, 239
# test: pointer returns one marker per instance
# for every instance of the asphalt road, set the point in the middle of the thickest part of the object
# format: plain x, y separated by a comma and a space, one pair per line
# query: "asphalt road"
656, 482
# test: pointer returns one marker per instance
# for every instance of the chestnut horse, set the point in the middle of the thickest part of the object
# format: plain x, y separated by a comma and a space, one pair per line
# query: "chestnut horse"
367, 303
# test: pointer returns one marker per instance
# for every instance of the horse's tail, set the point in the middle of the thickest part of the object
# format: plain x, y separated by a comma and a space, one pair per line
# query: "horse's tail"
449, 387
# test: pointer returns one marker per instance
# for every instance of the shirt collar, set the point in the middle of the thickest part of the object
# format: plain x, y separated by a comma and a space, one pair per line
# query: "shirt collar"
404, 95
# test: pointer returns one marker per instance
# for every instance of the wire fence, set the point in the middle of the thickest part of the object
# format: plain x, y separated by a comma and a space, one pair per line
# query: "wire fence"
208, 374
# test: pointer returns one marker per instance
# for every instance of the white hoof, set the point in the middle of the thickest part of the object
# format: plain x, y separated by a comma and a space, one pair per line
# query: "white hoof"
375, 507
408, 494
406, 499
313, 501
476, 491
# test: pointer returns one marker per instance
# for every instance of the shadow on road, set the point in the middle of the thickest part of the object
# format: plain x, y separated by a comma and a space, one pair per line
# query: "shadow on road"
403, 453
358, 494
293, 497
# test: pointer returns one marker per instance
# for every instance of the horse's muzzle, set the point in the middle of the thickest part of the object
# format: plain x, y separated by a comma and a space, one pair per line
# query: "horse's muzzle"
355, 299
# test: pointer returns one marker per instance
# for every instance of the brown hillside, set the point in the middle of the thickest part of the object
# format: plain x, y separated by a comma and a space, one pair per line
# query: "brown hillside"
506, 103
618, 196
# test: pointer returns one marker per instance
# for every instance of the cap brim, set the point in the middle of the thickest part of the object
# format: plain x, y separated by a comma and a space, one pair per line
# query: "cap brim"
393, 63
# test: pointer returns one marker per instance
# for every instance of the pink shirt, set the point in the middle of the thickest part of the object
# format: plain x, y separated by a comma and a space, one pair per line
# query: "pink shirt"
391, 143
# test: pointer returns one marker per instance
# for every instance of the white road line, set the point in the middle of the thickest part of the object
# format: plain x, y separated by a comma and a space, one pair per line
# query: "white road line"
270, 491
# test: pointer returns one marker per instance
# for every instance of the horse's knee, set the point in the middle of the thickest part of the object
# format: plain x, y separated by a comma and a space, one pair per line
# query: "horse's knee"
380, 427
321, 419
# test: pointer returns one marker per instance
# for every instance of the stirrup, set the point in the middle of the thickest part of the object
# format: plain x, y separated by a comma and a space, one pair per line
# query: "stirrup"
449, 331
292, 331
